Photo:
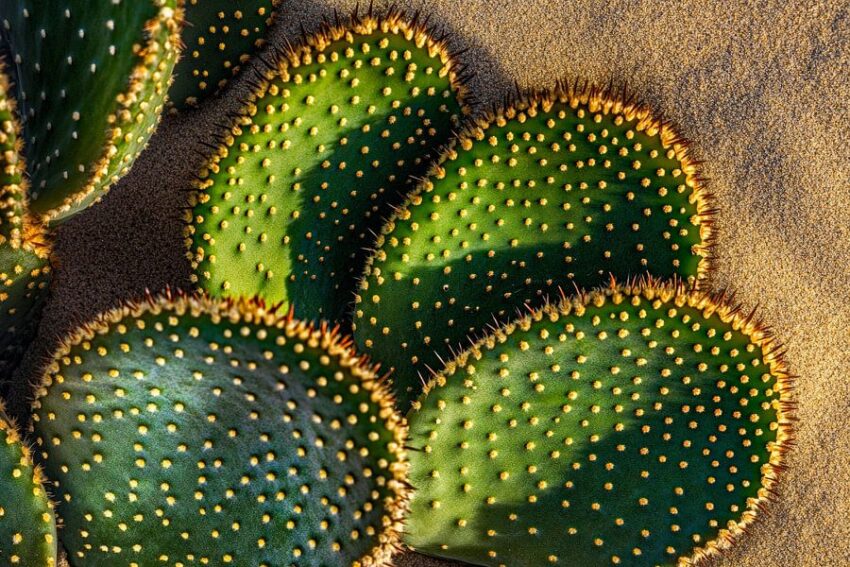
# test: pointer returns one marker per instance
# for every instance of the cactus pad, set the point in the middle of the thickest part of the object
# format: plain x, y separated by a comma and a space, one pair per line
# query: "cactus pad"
188, 431
561, 189
12, 197
322, 154
642, 425
24, 270
27, 523
24, 281
91, 80
220, 35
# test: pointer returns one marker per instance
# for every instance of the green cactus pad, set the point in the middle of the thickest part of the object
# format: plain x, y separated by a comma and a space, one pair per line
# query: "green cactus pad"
24, 282
559, 190
220, 35
91, 80
24, 269
324, 151
27, 522
12, 195
187, 431
642, 425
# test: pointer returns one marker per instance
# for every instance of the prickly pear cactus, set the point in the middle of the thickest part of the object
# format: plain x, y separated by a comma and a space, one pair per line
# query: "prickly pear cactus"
24, 269
12, 197
220, 36
559, 190
91, 80
323, 152
27, 523
188, 431
24, 281
637, 426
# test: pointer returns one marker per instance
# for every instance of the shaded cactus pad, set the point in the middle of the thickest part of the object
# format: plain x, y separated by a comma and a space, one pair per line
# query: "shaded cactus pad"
322, 154
24, 282
24, 270
27, 523
91, 80
561, 189
12, 199
187, 431
219, 35
637, 426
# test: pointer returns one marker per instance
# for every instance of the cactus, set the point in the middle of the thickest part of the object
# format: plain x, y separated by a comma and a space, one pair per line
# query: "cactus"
12, 193
220, 36
182, 430
24, 281
558, 190
24, 270
322, 153
27, 522
640, 425
91, 80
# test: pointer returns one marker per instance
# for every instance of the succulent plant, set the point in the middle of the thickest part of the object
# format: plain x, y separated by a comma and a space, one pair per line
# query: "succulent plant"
91, 81
643, 424
27, 522
12, 194
187, 430
639, 425
24, 269
220, 36
324, 149
560, 189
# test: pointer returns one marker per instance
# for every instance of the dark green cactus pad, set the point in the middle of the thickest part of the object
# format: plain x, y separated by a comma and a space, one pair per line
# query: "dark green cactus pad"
187, 431
27, 522
642, 425
24, 269
324, 151
561, 189
24, 283
91, 81
219, 37
12, 196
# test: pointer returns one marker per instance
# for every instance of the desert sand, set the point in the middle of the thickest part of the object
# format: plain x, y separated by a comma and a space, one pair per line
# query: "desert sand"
762, 89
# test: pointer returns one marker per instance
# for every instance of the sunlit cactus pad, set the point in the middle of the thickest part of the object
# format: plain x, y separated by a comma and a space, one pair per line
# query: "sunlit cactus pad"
220, 36
559, 190
191, 432
324, 151
91, 80
642, 425
27, 523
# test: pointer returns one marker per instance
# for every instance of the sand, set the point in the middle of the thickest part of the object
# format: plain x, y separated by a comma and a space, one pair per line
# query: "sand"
761, 88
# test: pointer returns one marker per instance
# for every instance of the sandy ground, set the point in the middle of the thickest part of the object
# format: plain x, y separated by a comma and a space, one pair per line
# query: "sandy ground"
762, 88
